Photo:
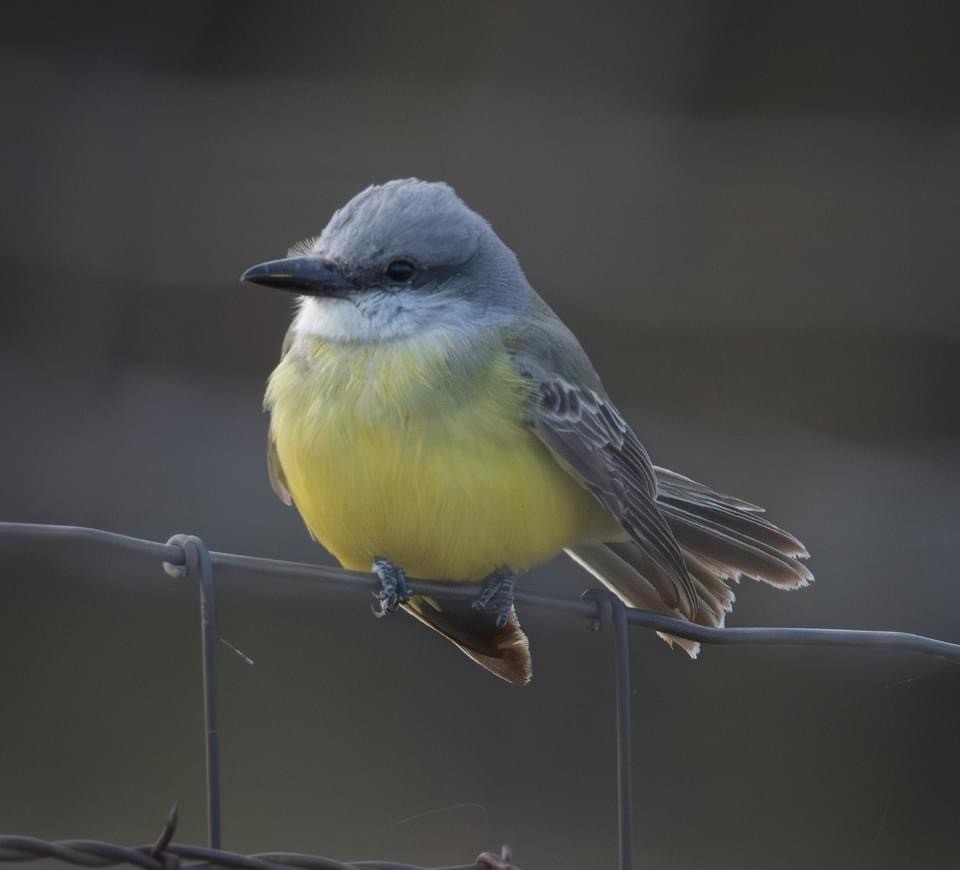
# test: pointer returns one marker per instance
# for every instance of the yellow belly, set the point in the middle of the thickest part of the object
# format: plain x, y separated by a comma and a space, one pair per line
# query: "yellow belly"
394, 451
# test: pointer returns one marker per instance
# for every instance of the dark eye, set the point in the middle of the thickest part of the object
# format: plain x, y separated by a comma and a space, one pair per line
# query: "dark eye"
400, 271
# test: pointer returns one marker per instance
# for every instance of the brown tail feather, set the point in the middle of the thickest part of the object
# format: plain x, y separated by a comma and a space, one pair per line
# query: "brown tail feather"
736, 554
721, 538
617, 571
715, 596
751, 527
502, 651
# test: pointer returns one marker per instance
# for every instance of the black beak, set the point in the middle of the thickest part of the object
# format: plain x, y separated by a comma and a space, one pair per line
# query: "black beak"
310, 276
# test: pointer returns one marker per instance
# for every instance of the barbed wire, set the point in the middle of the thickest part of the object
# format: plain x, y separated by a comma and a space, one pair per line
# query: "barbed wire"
164, 854
188, 556
95, 853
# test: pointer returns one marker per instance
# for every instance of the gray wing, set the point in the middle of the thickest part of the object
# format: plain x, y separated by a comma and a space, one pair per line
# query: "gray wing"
277, 479
572, 415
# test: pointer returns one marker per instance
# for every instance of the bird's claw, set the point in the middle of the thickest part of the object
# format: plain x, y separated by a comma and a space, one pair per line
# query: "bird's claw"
496, 596
394, 589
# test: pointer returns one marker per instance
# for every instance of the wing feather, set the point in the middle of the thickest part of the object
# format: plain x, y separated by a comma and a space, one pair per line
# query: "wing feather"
589, 437
277, 479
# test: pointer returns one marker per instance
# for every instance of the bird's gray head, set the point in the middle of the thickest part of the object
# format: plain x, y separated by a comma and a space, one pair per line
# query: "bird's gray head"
398, 259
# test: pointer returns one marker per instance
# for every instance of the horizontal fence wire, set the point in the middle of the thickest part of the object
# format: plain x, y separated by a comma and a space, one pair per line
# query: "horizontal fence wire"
583, 607
187, 555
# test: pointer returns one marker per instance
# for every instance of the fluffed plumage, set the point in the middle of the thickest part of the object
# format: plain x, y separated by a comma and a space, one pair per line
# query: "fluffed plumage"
439, 415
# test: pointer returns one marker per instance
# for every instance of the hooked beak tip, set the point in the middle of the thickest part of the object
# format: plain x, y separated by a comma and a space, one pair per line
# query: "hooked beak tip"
250, 275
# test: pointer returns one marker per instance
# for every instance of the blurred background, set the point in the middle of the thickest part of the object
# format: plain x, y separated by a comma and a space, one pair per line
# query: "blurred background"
747, 212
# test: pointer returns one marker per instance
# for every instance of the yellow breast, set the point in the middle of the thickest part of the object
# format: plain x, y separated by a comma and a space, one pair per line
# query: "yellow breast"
416, 450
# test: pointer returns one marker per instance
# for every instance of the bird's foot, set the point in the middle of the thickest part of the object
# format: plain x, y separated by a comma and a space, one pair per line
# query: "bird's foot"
496, 596
394, 589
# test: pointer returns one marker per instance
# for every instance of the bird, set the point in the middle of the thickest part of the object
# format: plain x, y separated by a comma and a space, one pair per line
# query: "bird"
431, 417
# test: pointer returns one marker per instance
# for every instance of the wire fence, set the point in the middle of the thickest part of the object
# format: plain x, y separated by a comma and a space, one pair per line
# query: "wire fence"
188, 556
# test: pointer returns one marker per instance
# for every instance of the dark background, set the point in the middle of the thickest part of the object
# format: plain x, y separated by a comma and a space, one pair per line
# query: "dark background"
747, 211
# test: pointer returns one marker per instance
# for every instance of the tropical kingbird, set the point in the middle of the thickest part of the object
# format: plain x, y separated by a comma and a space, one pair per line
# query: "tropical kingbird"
432, 417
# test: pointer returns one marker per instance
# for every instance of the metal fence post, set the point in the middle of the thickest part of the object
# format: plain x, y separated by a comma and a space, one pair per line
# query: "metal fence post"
197, 563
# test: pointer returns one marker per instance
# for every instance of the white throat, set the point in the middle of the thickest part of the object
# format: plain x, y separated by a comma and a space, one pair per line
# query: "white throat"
362, 319
382, 316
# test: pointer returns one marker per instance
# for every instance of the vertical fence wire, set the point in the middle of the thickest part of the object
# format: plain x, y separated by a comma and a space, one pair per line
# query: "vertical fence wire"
612, 612
197, 564
621, 648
